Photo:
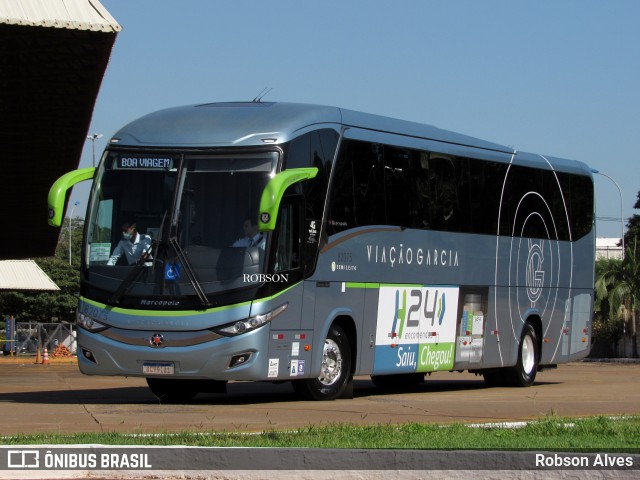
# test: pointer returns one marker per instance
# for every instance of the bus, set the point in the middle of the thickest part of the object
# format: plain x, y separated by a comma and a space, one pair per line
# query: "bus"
373, 246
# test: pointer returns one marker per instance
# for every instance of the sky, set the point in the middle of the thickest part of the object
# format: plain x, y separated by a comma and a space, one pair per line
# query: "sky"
559, 78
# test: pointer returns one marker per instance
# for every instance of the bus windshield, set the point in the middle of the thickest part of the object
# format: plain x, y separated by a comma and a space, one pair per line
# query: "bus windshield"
166, 226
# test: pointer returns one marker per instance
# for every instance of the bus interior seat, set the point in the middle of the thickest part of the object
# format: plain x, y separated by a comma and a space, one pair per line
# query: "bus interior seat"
234, 261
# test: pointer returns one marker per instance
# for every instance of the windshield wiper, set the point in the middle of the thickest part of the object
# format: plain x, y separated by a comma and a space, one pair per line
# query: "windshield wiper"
134, 273
170, 235
190, 273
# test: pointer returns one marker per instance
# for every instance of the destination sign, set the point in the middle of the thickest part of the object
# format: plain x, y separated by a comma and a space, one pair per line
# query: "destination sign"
152, 163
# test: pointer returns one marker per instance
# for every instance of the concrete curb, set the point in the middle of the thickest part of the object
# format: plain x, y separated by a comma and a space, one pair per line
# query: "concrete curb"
611, 360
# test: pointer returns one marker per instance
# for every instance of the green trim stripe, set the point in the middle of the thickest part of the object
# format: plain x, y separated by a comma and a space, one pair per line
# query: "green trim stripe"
362, 285
162, 313
181, 313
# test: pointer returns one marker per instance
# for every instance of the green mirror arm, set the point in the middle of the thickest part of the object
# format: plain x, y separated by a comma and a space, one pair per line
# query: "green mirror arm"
58, 192
273, 192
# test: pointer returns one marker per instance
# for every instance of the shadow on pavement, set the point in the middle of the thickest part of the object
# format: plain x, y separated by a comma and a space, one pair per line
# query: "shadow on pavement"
238, 393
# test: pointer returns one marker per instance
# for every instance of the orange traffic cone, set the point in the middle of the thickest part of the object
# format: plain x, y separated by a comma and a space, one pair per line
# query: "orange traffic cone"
45, 359
38, 357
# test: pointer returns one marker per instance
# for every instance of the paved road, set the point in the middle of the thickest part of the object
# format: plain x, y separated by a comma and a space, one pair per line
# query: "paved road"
57, 398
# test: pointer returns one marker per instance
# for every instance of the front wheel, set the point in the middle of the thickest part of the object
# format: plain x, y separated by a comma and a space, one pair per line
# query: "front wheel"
524, 372
335, 372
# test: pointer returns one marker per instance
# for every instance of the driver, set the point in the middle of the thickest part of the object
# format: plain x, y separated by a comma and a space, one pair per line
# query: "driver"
132, 245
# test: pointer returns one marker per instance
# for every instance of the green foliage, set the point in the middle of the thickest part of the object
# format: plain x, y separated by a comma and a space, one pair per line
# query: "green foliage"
617, 291
57, 306
607, 329
633, 226
46, 306
550, 432
62, 250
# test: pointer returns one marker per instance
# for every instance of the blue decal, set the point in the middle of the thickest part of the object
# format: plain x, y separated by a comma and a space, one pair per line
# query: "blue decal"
443, 307
172, 271
392, 334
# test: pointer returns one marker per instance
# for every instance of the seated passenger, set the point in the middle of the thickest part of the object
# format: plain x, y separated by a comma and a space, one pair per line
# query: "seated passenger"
252, 237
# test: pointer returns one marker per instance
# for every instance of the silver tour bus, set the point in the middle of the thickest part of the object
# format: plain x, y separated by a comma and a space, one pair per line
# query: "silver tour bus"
289, 242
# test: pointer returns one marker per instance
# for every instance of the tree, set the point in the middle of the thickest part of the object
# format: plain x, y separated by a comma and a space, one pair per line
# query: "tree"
58, 306
62, 249
633, 226
47, 307
619, 283
606, 329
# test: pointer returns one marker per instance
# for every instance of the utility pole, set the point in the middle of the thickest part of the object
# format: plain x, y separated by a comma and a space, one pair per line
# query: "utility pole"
70, 219
93, 139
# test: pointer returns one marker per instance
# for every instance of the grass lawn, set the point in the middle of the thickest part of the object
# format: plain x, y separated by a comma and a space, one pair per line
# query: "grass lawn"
550, 433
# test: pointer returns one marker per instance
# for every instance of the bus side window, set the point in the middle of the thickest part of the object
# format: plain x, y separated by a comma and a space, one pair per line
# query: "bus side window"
444, 193
398, 191
99, 238
288, 232
357, 196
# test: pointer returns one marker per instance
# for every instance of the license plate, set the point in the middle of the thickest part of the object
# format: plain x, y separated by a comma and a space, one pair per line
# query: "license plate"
158, 368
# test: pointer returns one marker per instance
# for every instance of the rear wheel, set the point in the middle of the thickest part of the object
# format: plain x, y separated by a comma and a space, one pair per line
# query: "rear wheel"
523, 374
335, 372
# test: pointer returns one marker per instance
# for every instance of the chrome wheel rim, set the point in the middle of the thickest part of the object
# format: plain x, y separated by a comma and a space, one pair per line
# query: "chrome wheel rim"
331, 363
528, 355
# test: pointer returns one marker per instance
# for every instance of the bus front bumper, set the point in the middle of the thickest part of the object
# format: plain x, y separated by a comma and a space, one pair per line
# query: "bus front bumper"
152, 354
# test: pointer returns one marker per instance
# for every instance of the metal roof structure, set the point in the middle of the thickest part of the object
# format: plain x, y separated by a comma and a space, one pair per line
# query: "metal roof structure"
53, 55
24, 275
68, 14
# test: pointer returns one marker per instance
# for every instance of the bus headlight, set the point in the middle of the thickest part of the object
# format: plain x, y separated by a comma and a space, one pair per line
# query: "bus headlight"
89, 323
251, 323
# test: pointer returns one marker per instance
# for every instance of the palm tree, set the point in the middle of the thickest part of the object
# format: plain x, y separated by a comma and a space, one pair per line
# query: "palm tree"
620, 283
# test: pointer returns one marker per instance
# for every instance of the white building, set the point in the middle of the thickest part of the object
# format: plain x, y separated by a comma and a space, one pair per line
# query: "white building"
608, 248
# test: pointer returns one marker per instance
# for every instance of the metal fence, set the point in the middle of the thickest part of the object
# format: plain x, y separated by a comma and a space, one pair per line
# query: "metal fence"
24, 338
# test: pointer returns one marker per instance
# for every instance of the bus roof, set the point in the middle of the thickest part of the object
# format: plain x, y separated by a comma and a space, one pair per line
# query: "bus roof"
559, 164
232, 124
248, 123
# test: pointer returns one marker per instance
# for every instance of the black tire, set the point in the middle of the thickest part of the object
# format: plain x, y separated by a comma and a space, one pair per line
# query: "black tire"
404, 381
335, 372
171, 390
523, 374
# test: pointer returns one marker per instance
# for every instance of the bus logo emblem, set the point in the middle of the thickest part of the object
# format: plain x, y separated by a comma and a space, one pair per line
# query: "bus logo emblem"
265, 217
535, 272
156, 340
